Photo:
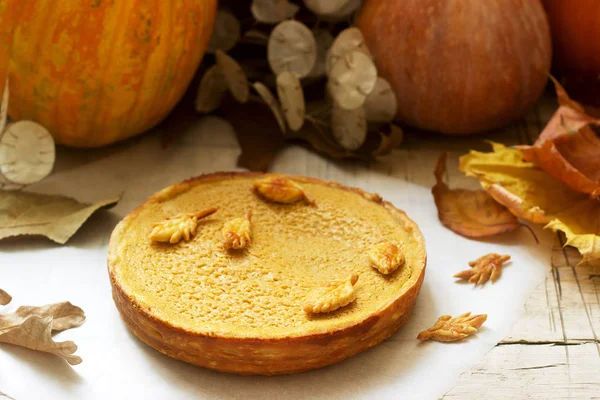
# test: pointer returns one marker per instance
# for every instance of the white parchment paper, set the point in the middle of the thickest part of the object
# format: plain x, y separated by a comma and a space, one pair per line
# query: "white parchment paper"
116, 365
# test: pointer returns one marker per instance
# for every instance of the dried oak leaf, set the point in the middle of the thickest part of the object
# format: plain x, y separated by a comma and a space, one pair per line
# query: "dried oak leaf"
448, 329
5, 298
488, 267
532, 194
32, 327
568, 148
470, 213
55, 217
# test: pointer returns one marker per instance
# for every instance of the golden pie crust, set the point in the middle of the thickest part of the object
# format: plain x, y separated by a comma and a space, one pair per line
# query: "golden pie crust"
242, 311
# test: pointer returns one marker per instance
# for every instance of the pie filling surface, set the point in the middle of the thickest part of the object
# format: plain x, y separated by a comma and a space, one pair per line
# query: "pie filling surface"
259, 291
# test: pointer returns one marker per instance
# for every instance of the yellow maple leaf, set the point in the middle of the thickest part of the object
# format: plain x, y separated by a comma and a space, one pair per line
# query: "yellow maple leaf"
532, 194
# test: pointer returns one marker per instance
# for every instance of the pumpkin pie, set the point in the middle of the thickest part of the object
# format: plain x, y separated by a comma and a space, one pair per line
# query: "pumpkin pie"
268, 274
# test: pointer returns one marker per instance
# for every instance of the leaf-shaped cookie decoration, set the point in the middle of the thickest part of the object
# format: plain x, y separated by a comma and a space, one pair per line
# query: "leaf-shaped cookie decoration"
569, 146
55, 217
292, 48
226, 32
331, 296
448, 329
234, 75
488, 267
470, 213
64, 316
5, 298
35, 333
532, 194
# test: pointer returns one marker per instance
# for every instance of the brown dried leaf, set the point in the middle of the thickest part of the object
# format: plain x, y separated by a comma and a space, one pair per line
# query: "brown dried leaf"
36, 333
568, 148
5, 298
448, 329
55, 217
64, 316
488, 267
391, 136
257, 131
470, 213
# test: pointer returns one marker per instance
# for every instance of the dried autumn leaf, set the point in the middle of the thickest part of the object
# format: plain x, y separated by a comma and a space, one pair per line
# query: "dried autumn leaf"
532, 194
488, 267
26, 153
470, 213
211, 91
291, 96
64, 316
351, 80
292, 48
226, 32
391, 136
448, 329
55, 217
257, 131
568, 148
272, 11
234, 75
5, 298
35, 333
331, 296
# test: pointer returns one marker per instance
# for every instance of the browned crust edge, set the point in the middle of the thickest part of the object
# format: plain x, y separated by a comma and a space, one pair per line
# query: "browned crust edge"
263, 356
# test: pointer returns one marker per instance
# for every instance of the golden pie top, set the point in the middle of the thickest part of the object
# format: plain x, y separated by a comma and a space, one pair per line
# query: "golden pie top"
259, 292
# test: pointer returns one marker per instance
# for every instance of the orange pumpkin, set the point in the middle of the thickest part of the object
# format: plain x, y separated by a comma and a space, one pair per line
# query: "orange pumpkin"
459, 66
575, 26
98, 71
